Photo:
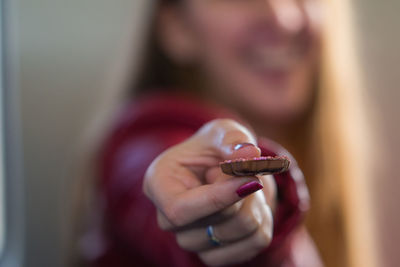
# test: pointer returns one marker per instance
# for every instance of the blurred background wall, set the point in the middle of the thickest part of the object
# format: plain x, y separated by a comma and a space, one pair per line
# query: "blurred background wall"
66, 48
377, 29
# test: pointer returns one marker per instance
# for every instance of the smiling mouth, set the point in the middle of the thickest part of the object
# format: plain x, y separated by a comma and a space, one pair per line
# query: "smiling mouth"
274, 59
278, 57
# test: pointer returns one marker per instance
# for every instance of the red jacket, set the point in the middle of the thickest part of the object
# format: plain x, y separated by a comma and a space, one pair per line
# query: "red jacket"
127, 233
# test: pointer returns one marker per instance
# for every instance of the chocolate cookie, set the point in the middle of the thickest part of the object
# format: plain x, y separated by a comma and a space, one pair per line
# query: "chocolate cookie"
254, 166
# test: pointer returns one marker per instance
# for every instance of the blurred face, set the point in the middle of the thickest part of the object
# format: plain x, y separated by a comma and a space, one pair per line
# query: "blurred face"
257, 56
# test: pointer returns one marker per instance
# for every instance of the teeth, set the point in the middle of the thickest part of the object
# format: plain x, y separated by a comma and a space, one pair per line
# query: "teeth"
279, 59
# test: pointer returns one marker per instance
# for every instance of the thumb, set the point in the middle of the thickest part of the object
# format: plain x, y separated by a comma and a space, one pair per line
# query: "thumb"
230, 139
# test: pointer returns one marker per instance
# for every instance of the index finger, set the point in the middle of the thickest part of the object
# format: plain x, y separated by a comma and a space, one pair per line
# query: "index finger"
205, 200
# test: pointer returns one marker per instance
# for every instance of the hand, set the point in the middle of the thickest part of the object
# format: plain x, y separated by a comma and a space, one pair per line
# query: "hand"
190, 192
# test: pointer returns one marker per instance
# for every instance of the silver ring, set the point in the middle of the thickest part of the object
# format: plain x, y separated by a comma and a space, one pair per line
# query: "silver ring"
212, 238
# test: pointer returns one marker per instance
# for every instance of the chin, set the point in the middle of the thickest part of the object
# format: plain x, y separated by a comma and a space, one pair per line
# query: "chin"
284, 102
283, 115
281, 106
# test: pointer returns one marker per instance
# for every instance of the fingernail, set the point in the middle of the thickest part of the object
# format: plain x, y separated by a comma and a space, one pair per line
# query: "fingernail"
239, 146
248, 189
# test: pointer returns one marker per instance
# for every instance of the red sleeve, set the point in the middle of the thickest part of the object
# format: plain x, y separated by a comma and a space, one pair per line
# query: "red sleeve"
293, 203
130, 218
130, 229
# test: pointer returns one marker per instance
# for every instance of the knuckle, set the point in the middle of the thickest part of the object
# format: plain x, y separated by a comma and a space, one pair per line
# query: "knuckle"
215, 126
146, 181
230, 211
163, 222
247, 223
173, 214
229, 130
181, 241
268, 218
218, 123
235, 136
151, 175
263, 239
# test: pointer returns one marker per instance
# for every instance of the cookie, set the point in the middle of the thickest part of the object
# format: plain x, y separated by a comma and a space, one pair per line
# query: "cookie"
255, 166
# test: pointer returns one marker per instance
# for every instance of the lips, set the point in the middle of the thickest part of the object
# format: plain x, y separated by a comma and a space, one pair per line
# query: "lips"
273, 59
272, 55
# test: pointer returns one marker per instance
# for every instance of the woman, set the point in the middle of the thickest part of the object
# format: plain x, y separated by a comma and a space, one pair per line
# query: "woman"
255, 62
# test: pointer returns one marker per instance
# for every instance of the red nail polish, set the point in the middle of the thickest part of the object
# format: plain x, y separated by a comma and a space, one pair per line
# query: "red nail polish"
239, 146
248, 189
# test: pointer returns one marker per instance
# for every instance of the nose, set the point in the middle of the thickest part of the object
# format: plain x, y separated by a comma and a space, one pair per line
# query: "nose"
289, 15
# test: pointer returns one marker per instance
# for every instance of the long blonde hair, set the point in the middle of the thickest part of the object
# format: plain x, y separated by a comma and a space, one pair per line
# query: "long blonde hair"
342, 137
339, 221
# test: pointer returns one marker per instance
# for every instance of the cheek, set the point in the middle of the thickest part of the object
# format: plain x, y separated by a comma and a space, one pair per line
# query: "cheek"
219, 33
222, 34
283, 100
